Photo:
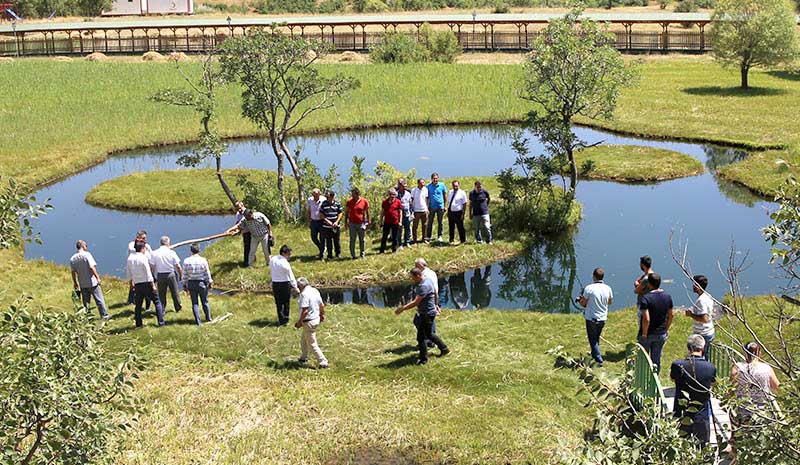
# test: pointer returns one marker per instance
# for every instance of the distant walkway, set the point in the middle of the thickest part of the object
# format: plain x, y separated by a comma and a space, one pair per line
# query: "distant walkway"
485, 32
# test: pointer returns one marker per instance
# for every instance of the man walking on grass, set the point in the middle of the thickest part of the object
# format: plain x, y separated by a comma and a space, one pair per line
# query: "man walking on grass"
282, 283
456, 209
437, 199
479, 206
197, 282
596, 298
312, 313
656, 319
358, 220
314, 205
166, 268
141, 281
424, 300
86, 280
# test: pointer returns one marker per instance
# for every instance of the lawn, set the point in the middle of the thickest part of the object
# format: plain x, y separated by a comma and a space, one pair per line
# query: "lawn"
631, 163
684, 99
231, 393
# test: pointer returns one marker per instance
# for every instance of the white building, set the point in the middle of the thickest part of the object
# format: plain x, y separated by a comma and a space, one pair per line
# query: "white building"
150, 7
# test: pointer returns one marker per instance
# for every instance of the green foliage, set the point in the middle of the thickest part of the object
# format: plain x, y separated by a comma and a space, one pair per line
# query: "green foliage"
331, 6
284, 6
259, 193
44, 8
428, 45
623, 433
314, 180
686, 6
17, 208
748, 33
573, 71
784, 232
62, 394
501, 8
373, 186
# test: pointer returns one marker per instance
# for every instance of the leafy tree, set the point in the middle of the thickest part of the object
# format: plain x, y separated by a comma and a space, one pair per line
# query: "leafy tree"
748, 33
281, 88
44, 8
428, 45
201, 98
17, 209
61, 393
573, 71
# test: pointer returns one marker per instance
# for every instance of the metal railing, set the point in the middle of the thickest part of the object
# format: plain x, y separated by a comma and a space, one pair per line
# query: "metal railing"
723, 358
646, 384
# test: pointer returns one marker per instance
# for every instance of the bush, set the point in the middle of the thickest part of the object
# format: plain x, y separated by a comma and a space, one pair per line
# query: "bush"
685, 6
373, 187
331, 6
501, 8
398, 48
259, 193
284, 6
44, 8
63, 396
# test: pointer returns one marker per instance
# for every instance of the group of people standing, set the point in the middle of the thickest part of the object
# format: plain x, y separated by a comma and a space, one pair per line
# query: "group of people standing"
695, 375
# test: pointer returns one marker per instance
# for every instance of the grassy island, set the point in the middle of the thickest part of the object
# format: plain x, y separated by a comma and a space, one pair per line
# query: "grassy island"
635, 164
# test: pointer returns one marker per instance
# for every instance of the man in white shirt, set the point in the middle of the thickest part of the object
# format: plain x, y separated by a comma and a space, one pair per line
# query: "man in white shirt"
456, 209
596, 298
419, 204
141, 236
428, 275
260, 229
141, 281
702, 312
167, 270
313, 205
282, 283
85, 278
312, 313
197, 281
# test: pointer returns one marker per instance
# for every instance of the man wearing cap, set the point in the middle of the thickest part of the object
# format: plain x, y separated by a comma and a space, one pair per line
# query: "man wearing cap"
313, 205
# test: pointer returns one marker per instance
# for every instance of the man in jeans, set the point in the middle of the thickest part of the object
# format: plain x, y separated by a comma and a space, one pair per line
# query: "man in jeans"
392, 212
702, 312
596, 298
404, 195
197, 281
656, 319
357, 220
419, 204
141, 281
424, 300
331, 224
437, 199
312, 313
86, 280
479, 206
313, 205
167, 270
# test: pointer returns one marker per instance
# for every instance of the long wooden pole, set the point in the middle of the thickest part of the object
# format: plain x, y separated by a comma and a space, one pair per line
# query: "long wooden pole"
201, 239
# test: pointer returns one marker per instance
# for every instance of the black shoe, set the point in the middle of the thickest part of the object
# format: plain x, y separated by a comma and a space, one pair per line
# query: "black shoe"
421, 362
444, 352
430, 344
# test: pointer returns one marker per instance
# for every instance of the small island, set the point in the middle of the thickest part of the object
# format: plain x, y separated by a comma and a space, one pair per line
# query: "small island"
636, 164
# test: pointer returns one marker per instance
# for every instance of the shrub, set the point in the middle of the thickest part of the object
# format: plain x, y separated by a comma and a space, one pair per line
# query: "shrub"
43, 8
685, 6
284, 6
331, 6
61, 393
259, 193
501, 8
373, 187
442, 46
398, 48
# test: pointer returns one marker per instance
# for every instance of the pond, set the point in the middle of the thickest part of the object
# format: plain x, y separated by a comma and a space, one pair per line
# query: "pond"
620, 221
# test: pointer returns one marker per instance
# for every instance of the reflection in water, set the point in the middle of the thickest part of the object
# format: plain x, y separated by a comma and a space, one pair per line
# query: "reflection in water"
458, 290
480, 287
718, 157
542, 279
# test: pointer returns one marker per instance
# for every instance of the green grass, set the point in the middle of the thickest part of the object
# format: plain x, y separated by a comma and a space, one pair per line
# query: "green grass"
764, 172
230, 392
675, 99
630, 163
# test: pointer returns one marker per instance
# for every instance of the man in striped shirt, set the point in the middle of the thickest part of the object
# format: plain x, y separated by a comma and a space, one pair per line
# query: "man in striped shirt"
197, 281
260, 229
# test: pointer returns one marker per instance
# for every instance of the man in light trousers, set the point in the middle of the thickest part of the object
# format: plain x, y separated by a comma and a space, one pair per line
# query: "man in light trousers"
479, 209
312, 313
166, 267
86, 279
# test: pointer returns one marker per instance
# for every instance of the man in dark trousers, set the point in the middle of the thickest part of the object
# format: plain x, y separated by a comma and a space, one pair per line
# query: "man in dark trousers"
141, 281
240, 208
693, 378
656, 318
425, 301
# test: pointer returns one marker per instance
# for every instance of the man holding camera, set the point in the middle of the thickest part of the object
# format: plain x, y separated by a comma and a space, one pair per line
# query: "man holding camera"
595, 299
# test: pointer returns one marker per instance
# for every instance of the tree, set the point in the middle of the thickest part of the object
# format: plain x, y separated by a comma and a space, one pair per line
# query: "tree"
281, 88
17, 209
572, 71
748, 33
201, 98
61, 393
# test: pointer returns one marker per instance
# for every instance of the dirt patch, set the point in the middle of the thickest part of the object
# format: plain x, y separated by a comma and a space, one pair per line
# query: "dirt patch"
153, 56
373, 456
178, 56
6, 60
96, 56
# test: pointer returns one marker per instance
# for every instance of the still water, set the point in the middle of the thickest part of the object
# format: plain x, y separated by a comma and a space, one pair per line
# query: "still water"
620, 222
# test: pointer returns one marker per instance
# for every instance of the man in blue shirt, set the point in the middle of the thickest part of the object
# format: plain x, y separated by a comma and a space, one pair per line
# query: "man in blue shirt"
437, 200
656, 318
425, 301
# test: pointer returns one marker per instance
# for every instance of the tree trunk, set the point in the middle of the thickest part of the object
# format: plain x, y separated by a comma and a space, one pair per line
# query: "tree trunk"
573, 171
296, 172
745, 69
281, 188
224, 184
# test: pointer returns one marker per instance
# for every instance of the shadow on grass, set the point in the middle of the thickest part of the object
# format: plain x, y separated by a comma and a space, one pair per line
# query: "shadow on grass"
617, 356
118, 305
717, 91
286, 365
401, 350
399, 363
264, 323
787, 75
227, 267
181, 322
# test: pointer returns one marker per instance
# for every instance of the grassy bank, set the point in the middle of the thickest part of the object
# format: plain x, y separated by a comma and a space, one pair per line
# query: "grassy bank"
630, 163
676, 98
230, 392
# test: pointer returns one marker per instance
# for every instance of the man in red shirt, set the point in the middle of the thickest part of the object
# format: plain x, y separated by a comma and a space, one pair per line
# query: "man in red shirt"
357, 220
392, 211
